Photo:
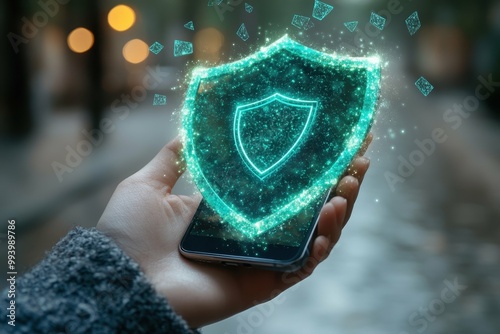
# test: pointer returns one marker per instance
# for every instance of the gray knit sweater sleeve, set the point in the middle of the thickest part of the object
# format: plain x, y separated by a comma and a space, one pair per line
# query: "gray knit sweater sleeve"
88, 285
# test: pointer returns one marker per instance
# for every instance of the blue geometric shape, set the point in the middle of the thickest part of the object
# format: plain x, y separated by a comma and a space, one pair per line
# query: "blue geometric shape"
263, 149
321, 10
424, 86
182, 48
351, 26
413, 23
189, 25
377, 21
159, 100
248, 7
242, 32
156, 48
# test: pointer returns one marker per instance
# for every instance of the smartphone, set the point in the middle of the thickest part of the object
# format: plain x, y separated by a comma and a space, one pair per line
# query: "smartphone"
282, 248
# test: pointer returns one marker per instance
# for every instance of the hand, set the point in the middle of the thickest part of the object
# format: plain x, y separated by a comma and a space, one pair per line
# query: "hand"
148, 222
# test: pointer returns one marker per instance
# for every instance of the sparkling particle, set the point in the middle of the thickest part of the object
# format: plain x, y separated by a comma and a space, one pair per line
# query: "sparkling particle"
302, 22
189, 25
413, 23
248, 7
156, 48
351, 26
377, 21
182, 48
259, 147
424, 86
159, 100
321, 10
242, 32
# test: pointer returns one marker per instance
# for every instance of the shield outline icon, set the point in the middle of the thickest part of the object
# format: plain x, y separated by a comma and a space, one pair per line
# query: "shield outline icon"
312, 106
252, 228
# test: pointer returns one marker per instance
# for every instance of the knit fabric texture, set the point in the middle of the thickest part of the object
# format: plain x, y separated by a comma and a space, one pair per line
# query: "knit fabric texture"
87, 284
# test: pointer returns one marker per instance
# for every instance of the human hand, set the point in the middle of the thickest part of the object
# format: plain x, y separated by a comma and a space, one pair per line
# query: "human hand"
147, 222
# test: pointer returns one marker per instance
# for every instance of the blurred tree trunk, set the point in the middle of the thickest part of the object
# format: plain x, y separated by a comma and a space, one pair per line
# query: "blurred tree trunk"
18, 117
95, 100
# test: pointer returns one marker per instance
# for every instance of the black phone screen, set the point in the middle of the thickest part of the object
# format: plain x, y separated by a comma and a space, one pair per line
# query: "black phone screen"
209, 234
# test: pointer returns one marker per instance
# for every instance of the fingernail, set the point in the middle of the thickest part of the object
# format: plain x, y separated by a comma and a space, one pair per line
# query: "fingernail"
364, 160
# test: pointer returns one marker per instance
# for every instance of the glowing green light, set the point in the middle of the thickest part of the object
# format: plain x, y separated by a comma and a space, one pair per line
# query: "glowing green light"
264, 168
266, 136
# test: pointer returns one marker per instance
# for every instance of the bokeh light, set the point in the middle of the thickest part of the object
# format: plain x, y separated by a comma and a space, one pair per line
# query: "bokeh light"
135, 51
80, 40
121, 17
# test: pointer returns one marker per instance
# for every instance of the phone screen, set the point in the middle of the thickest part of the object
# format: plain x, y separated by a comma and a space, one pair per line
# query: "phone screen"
209, 234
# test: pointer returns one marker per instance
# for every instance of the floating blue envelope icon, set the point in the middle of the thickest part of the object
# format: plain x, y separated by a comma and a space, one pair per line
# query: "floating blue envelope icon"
267, 135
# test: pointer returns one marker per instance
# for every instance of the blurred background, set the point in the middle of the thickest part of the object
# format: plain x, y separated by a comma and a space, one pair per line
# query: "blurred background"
77, 116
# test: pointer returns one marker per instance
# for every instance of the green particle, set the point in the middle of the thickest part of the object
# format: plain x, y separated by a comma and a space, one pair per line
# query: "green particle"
424, 86
156, 48
182, 48
321, 10
242, 32
413, 23
159, 100
351, 26
210, 3
189, 25
377, 21
302, 22
266, 136
248, 7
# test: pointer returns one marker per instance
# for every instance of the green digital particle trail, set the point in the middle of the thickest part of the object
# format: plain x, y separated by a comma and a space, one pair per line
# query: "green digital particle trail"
351, 26
377, 21
182, 48
266, 136
242, 32
413, 23
321, 10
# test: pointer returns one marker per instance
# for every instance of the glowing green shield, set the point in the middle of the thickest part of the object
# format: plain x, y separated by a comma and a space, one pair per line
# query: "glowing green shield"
267, 135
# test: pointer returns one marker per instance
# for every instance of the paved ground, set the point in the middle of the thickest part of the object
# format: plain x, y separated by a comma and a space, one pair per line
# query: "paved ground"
400, 251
